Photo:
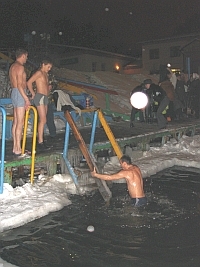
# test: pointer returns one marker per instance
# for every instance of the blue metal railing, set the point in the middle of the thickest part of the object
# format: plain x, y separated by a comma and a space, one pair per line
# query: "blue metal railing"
3, 140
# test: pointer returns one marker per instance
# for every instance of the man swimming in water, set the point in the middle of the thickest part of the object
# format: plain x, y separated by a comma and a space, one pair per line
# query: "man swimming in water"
133, 177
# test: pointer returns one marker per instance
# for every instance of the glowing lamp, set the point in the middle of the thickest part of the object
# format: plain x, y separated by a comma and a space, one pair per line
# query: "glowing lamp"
139, 100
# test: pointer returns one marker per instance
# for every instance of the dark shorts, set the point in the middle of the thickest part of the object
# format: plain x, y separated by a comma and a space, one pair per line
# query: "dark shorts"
17, 99
137, 202
40, 99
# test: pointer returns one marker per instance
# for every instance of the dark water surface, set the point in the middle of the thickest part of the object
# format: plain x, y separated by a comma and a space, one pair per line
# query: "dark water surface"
166, 233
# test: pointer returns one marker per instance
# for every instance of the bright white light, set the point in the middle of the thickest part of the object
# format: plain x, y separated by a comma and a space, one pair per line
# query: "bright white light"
106, 9
139, 100
168, 65
33, 33
60, 33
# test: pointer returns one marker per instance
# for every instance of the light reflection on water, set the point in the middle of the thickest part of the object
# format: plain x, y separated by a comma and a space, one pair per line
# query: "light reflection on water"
164, 233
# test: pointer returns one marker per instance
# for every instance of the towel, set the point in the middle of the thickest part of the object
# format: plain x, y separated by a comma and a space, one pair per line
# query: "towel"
64, 99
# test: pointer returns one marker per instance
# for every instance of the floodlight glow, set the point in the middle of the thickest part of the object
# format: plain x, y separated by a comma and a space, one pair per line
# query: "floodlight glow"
139, 100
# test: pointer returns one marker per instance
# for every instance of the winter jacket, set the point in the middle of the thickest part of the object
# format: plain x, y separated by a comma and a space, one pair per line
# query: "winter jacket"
169, 89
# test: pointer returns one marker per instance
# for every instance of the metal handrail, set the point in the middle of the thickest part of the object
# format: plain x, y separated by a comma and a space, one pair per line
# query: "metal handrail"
33, 140
3, 141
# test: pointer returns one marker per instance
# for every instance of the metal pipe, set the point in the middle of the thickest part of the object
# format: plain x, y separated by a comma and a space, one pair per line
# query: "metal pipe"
94, 124
3, 140
109, 134
65, 151
33, 140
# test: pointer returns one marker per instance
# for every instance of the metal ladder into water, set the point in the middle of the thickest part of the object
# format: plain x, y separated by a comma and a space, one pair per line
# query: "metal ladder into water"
88, 153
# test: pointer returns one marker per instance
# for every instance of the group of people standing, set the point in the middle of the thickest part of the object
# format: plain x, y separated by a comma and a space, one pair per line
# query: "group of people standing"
169, 99
21, 101
169, 94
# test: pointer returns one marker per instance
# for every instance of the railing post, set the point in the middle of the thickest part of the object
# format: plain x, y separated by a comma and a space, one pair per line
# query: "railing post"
3, 140
33, 140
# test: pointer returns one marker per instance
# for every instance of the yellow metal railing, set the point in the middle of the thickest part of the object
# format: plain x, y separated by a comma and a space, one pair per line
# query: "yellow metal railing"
109, 134
34, 138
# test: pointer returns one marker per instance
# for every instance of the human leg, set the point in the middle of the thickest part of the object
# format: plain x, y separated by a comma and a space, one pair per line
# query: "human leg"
18, 122
50, 121
138, 202
18, 119
162, 122
42, 113
141, 116
134, 111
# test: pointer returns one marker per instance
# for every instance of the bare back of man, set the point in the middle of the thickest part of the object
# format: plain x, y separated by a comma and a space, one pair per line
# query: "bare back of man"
133, 177
19, 98
40, 77
134, 181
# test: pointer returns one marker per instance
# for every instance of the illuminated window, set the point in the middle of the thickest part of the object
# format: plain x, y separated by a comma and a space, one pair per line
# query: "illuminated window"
175, 51
154, 53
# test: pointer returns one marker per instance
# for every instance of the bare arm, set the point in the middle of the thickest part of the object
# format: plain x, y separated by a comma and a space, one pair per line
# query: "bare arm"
31, 81
107, 177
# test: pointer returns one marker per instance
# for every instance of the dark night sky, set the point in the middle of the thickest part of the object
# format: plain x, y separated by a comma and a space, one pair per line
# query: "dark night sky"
124, 24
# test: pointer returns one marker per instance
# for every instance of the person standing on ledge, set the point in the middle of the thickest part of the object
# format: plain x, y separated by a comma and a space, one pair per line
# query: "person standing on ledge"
19, 98
144, 88
40, 98
133, 177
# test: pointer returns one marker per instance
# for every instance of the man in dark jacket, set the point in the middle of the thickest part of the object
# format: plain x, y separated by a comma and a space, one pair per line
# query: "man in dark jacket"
180, 97
144, 87
168, 88
195, 94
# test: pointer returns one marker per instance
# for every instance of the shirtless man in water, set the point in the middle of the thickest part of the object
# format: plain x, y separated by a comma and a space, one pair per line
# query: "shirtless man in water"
19, 98
133, 177
40, 98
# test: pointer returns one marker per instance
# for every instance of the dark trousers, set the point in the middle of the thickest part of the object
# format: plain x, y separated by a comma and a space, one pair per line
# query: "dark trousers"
162, 122
170, 111
50, 120
134, 111
196, 104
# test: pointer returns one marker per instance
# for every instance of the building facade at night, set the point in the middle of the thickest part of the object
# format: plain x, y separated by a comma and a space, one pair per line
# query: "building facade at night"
181, 52
88, 60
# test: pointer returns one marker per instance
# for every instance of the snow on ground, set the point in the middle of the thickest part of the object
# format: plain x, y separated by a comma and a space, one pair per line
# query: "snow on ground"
123, 84
21, 205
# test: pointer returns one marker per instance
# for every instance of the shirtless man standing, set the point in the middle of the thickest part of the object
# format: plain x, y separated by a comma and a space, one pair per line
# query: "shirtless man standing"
40, 98
133, 177
19, 98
